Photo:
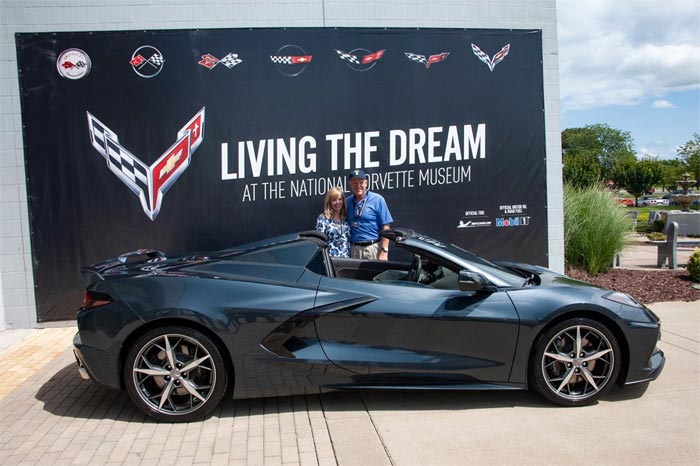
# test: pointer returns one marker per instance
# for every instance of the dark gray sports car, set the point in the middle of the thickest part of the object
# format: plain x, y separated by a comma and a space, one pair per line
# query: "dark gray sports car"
282, 317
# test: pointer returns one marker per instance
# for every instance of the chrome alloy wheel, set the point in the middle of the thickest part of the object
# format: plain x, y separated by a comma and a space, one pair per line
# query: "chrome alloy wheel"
578, 362
174, 374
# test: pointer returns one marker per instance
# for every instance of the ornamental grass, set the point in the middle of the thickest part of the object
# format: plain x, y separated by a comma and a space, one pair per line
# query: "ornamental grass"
596, 228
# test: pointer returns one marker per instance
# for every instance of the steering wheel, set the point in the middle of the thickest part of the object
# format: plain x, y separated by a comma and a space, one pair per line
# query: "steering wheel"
415, 269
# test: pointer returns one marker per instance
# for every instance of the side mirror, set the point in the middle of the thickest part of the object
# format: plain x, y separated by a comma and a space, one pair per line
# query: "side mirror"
472, 281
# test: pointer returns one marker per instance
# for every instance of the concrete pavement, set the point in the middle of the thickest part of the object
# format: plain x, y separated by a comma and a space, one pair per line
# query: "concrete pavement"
659, 425
641, 254
54, 417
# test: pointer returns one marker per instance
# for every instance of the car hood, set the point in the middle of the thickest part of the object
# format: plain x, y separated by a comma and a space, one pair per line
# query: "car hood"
554, 292
544, 277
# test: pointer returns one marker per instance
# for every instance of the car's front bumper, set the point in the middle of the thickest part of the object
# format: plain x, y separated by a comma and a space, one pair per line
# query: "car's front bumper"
651, 371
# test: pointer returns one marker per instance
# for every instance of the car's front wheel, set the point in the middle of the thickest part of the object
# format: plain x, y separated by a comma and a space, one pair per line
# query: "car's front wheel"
575, 362
175, 374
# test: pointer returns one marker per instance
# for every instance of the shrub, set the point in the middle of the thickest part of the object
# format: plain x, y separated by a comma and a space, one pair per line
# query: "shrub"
643, 222
656, 236
659, 225
595, 228
693, 265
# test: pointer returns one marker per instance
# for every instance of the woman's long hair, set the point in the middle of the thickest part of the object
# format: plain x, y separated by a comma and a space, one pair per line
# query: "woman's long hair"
328, 209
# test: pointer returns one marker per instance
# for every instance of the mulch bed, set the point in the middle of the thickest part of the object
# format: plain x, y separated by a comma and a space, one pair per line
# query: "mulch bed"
647, 286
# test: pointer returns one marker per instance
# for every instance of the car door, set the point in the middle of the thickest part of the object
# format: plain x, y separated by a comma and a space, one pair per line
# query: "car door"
413, 334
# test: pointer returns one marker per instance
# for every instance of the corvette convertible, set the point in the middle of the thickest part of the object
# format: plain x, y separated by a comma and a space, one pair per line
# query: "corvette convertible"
282, 317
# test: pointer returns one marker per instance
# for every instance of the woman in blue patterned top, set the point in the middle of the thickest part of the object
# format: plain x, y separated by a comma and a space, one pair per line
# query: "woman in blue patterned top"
334, 223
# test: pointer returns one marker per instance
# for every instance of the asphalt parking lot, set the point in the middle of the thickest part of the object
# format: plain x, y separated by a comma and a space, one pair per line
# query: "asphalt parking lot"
51, 416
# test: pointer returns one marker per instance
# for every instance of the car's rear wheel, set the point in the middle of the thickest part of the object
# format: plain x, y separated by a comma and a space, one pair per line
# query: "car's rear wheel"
575, 362
175, 374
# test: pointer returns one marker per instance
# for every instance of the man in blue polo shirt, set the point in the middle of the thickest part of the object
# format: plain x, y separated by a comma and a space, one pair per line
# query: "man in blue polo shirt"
368, 215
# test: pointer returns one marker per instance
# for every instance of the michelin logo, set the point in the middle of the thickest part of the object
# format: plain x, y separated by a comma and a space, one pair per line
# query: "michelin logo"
473, 224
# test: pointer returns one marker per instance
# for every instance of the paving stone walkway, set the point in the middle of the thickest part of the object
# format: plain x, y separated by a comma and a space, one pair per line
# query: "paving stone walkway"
25, 357
53, 417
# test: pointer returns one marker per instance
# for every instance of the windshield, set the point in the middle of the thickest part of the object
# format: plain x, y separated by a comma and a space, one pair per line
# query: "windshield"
467, 260
486, 266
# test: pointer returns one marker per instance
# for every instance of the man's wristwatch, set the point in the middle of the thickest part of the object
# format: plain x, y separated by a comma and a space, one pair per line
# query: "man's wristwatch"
386, 250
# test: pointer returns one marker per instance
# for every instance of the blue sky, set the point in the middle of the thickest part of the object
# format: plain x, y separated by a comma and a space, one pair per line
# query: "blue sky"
634, 65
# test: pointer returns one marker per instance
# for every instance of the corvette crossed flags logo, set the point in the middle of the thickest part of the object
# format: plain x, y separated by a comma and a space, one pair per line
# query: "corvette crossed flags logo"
366, 59
491, 62
427, 61
149, 183
229, 61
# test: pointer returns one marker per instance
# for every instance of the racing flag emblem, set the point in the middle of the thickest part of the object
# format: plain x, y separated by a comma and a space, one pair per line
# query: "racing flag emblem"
229, 61
291, 60
491, 62
149, 183
427, 61
73, 64
147, 61
360, 59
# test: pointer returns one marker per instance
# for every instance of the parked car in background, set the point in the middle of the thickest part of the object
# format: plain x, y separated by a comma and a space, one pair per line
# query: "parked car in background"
668, 199
651, 201
626, 202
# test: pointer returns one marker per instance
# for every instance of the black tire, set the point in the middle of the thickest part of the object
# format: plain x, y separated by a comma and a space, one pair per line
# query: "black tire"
581, 372
175, 374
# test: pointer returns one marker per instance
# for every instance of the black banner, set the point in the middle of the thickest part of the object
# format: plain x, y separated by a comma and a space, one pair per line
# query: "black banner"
199, 140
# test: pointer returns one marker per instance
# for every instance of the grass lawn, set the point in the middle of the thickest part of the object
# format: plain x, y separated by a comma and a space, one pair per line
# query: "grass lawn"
648, 209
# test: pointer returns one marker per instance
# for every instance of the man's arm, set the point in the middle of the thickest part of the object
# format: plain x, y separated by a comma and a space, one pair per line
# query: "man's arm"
384, 246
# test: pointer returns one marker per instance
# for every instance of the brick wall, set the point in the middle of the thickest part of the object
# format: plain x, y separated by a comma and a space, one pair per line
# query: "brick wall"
17, 306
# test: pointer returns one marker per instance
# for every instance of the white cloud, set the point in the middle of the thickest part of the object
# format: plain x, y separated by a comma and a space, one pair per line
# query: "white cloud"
625, 52
661, 103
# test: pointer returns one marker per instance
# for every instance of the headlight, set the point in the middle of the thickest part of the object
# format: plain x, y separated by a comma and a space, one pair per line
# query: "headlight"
622, 298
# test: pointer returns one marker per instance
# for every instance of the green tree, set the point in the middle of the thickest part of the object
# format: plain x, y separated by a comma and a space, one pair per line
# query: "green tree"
581, 170
672, 172
608, 145
638, 176
690, 153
